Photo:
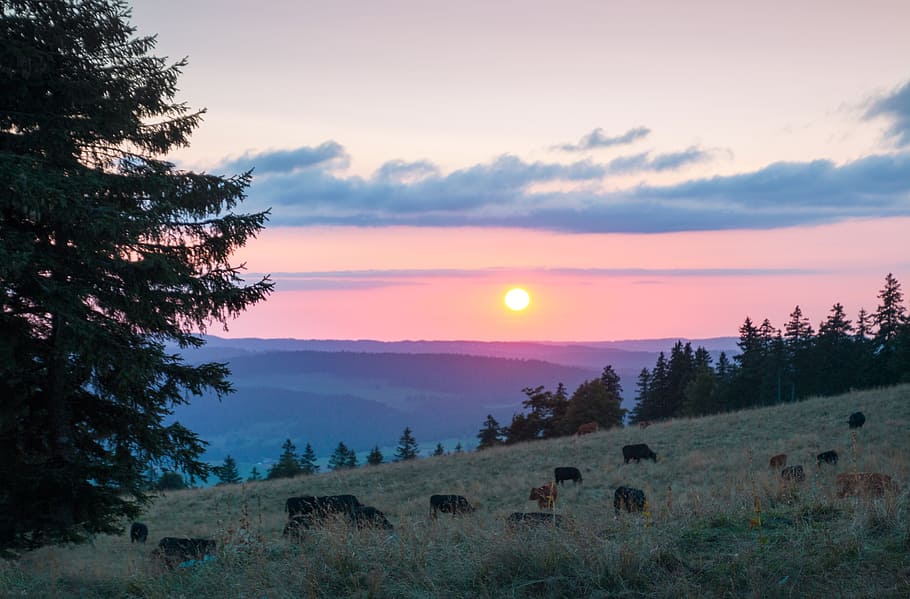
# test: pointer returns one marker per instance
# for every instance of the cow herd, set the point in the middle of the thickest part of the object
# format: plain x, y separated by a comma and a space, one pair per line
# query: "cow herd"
848, 484
308, 511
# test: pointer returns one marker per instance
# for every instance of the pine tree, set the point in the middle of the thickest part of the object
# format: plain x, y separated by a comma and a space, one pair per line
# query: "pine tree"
170, 481
351, 461
375, 458
307, 461
440, 450
341, 458
108, 253
254, 475
489, 435
287, 465
835, 353
227, 473
407, 446
598, 400
458, 448
889, 319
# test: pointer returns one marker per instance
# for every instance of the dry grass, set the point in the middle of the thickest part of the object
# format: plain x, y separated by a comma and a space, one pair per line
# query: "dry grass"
696, 539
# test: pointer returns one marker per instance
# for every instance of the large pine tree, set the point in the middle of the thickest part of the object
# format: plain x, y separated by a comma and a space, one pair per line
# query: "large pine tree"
107, 253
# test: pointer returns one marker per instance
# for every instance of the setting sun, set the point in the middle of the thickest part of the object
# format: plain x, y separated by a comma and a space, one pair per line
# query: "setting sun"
517, 299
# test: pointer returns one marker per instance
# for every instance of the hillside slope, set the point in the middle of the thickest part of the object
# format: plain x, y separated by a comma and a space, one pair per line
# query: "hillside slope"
695, 540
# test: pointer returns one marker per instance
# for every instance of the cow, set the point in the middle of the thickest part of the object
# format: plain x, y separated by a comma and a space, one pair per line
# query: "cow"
529, 519
638, 452
587, 428
449, 504
545, 496
176, 550
139, 532
826, 457
778, 461
366, 516
857, 420
632, 500
793, 473
645, 424
307, 510
567, 473
863, 484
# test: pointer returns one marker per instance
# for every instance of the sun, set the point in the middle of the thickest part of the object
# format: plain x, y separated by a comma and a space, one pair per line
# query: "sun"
517, 299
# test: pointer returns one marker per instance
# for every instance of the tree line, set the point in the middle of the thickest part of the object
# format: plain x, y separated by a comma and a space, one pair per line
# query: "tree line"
778, 365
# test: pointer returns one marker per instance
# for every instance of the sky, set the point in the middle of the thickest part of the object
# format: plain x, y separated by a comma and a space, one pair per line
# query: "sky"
645, 169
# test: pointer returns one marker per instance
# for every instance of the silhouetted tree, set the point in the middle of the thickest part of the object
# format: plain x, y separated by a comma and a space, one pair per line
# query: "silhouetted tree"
170, 481
489, 435
111, 257
227, 473
254, 475
375, 457
458, 448
287, 465
342, 457
307, 461
888, 318
598, 400
407, 446
440, 450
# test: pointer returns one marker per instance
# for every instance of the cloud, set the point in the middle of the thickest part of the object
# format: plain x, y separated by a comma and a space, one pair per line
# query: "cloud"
371, 279
661, 162
511, 192
597, 139
287, 161
895, 106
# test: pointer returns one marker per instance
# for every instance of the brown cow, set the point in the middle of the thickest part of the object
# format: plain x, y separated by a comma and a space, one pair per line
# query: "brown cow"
587, 428
778, 461
645, 424
864, 484
545, 496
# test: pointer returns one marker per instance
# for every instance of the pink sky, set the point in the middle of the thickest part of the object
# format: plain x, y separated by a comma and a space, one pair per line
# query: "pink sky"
643, 169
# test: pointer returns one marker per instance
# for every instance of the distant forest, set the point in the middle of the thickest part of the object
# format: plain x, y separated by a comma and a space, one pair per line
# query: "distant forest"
774, 366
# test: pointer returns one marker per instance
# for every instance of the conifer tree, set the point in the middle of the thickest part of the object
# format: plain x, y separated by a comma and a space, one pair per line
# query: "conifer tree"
440, 450
170, 481
407, 446
287, 465
227, 473
307, 461
489, 435
108, 252
254, 475
375, 457
598, 400
342, 457
458, 448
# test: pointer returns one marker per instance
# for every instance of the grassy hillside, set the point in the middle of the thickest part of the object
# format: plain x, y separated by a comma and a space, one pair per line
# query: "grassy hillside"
696, 539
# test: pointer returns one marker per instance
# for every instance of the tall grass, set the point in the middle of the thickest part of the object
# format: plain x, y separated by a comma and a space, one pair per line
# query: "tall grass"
701, 536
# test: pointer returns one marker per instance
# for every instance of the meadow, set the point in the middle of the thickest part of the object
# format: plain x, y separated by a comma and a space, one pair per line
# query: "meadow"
718, 523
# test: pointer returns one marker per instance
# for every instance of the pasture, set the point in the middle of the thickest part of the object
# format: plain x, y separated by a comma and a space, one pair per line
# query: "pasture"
717, 521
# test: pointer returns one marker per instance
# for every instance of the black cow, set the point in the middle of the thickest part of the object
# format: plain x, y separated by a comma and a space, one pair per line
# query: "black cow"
793, 473
366, 516
632, 500
139, 532
567, 473
638, 452
449, 504
529, 519
857, 420
175, 550
306, 510
826, 457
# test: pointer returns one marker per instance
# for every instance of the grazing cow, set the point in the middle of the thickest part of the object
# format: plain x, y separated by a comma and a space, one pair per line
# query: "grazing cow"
632, 500
638, 452
139, 532
826, 457
587, 428
778, 461
567, 473
645, 424
449, 504
307, 510
793, 473
863, 484
545, 496
857, 420
174, 550
366, 516
529, 519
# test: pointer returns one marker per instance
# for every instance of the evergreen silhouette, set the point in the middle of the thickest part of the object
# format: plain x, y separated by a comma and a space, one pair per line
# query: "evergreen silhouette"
227, 473
489, 435
307, 461
375, 456
407, 447
287, 465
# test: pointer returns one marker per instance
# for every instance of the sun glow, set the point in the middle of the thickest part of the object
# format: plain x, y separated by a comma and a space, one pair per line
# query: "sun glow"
517, 299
